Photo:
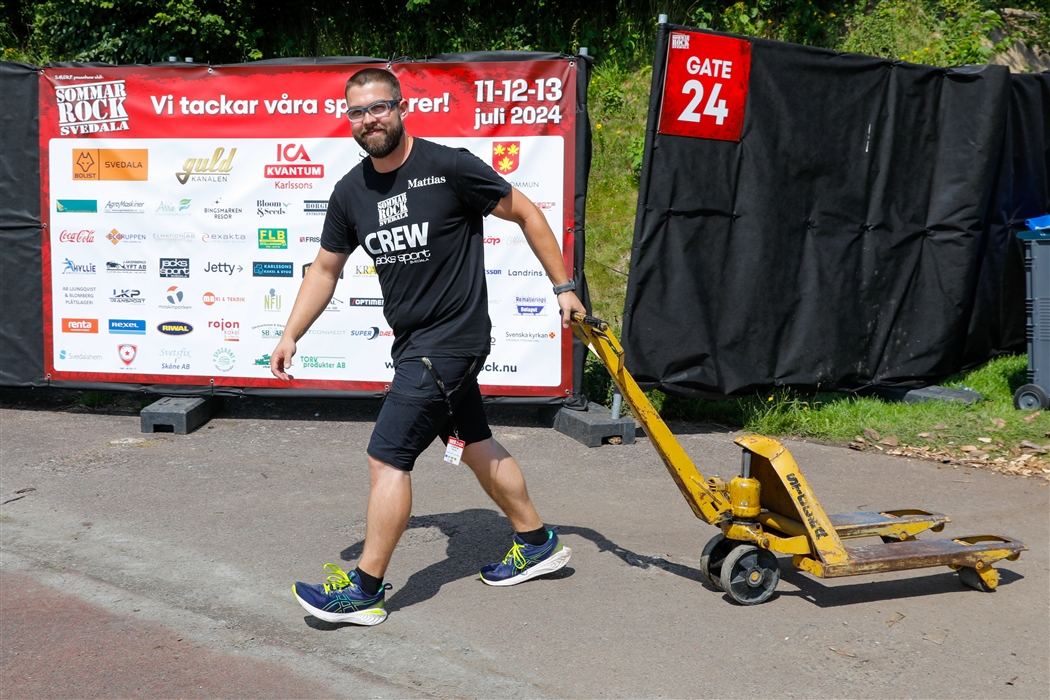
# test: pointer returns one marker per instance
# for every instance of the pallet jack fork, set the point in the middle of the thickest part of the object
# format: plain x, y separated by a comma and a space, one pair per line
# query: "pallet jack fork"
771, 508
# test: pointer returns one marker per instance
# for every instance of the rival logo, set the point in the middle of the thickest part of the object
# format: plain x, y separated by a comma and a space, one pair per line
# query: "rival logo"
273, 238
175, 267
293, 153
127, 326
77, 206
82, 236
214, 169
111, 164
91, 108
80, 325
174, 328
505, 156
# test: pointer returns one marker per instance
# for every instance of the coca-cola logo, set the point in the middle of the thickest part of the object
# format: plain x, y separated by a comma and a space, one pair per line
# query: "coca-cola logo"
84, 236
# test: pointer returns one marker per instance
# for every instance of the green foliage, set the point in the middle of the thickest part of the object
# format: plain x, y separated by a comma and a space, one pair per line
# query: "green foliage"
937, 32
142, 31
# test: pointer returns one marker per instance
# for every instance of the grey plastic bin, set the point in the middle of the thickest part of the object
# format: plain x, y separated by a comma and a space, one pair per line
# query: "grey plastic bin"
1036, 394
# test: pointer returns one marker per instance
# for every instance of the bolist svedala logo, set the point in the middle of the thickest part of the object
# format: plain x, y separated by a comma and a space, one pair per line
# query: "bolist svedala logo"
125, 164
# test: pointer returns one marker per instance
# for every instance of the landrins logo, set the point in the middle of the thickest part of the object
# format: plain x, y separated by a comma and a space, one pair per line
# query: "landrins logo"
424, 181
212, 169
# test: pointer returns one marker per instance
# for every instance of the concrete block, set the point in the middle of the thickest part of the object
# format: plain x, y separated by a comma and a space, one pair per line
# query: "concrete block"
178, 414
594, 426
929, 393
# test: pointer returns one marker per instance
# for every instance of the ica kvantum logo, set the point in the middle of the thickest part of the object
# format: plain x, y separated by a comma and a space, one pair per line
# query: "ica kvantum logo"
91, 108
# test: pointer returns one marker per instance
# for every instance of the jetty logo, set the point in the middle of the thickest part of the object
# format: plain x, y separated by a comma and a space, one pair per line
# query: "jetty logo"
125, 164
293, 162
505, 156
214, 169
91, 108
127, 353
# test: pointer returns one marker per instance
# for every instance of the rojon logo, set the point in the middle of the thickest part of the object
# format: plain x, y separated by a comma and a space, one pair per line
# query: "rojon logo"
80, 325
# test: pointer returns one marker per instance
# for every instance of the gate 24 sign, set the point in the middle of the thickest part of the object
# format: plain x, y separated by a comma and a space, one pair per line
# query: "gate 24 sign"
705, 86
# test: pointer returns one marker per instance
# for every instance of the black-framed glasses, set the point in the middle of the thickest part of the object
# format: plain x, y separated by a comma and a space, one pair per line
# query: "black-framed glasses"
378, 109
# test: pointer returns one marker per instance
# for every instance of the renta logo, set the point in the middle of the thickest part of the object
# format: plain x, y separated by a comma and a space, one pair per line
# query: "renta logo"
207, 170
80, 325
293, 162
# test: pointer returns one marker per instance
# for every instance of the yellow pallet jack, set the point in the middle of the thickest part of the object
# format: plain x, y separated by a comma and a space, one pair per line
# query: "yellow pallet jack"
771, 508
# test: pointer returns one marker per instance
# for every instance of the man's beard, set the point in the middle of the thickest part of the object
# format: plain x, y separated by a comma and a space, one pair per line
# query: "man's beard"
382, 141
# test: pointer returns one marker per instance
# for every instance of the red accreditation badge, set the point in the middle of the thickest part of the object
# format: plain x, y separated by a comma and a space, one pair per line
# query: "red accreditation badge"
454, 450
505, 156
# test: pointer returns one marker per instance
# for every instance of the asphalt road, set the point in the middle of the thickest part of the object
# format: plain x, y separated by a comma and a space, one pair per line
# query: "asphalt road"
163, 568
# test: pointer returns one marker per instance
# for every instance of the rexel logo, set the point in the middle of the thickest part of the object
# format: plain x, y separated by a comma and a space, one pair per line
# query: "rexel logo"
127, 326
80, 325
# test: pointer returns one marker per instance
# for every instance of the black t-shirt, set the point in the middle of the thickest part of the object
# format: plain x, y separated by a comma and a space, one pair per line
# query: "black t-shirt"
422, 225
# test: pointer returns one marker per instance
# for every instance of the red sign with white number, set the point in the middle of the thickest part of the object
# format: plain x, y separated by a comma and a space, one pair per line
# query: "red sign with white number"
705, 86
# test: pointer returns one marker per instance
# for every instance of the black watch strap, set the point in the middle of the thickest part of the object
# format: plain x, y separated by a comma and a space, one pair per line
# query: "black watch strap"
569, 286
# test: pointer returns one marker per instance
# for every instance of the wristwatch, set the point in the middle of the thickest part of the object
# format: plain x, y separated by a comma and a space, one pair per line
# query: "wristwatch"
569, 286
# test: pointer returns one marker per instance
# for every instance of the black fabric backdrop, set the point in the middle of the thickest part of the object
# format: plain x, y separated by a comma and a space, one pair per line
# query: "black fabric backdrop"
860, 234
21, 285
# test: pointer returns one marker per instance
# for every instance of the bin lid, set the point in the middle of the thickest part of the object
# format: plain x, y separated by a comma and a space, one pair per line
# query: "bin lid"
1038, 222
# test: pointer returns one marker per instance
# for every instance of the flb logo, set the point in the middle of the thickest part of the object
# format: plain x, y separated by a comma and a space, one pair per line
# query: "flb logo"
127, 353
505, 156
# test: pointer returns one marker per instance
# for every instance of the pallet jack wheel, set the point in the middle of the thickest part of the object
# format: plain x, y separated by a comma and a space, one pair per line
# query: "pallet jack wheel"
972, 579
711, 558
750, 575
1031, 396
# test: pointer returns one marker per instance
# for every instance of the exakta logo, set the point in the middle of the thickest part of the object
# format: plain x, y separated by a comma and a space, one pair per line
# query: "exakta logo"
80, 325
293, 162
127, 326
174, 328
223, 237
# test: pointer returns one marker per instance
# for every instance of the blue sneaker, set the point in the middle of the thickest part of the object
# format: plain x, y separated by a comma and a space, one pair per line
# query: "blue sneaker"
341, 599
524, 561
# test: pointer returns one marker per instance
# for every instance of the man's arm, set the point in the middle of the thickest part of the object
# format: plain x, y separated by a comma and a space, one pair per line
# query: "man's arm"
314, 294
518, 208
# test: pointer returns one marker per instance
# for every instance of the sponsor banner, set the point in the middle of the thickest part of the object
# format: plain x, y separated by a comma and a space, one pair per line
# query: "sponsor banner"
181, 204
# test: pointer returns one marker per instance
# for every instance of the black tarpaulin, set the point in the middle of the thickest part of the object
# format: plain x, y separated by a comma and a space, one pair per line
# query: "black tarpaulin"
840, 243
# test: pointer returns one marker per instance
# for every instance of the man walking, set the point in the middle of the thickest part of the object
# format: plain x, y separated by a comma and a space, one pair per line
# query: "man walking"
418, 208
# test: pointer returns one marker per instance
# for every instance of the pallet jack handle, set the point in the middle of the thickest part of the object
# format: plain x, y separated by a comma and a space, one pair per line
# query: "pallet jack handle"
707, 502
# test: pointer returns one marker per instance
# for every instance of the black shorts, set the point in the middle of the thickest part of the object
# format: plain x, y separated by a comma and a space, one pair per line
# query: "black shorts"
414, 412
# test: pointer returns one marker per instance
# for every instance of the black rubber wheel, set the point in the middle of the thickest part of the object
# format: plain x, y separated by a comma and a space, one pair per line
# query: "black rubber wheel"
1030, 397
750, 575
711, 558
972, 579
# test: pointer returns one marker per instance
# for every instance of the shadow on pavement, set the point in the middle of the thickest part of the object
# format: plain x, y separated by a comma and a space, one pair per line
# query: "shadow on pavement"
479, 536
823, 596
